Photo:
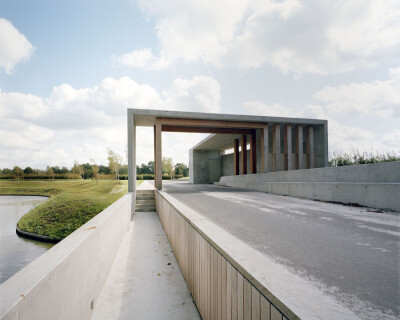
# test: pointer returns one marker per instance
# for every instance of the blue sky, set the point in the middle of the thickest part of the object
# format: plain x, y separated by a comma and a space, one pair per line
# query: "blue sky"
69, 70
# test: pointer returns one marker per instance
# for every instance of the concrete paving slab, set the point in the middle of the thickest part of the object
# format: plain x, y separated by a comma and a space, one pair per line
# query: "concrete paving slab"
145, 281
350, 253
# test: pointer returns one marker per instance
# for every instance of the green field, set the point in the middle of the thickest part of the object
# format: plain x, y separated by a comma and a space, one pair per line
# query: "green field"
72, 203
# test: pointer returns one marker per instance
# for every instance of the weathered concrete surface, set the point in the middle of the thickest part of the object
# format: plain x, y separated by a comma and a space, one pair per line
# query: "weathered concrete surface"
145, 281
373, 185
350, 253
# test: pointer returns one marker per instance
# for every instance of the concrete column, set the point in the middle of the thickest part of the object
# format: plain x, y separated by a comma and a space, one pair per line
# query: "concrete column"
244, 153
253, 153
287, 142
264, 149
154, 147
132, 161
158, 158
276, 146
236, 157
131, 154
310, 147
299, 147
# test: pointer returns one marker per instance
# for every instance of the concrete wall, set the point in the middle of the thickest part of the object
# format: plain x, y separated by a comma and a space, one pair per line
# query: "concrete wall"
372, 185
65, 282
204, 166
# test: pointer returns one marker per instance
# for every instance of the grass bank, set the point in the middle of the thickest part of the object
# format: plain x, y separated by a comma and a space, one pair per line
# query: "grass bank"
72, 203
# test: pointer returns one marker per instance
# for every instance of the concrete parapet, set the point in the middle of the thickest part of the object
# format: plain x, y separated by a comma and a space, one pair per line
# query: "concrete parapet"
373, 185
65, 282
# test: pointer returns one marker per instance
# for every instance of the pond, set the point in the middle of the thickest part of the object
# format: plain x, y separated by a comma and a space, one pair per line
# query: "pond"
17, 252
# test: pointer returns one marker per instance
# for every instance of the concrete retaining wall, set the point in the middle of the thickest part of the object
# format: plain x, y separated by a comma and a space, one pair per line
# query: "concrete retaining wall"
373, 185
65, 282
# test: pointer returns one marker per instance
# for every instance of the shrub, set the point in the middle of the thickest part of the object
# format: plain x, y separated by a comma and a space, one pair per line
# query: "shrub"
357, 157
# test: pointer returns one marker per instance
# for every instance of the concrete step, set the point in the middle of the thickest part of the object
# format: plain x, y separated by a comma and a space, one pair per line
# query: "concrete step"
145, 209
145, 192
145, 198
145, 202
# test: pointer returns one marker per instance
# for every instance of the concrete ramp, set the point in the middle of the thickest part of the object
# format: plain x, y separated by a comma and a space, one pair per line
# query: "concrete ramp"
145, 281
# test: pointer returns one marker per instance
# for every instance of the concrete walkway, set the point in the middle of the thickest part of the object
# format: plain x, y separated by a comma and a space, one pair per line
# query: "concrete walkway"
145, 281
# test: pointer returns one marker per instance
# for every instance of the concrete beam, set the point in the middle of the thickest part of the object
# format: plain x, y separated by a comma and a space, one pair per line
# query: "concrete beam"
244, 153
310, 147
287, 141
158, 158
236, 156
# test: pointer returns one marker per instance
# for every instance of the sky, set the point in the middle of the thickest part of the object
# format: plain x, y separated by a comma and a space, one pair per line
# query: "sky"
70, 69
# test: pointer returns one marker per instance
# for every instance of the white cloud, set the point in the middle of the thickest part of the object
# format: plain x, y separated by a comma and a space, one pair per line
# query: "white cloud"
377, 98
200, 93
322, 37
274, 110
14, 47
141, 59
79, 124
342, 138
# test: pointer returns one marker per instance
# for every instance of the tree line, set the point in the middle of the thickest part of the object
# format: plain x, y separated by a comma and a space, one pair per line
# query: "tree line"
116, 168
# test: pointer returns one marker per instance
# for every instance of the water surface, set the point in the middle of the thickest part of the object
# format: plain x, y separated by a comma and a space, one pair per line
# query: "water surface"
17, 252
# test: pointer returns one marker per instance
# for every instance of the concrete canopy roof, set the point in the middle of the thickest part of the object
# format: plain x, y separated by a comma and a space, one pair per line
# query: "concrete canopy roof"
217, 142
146, 117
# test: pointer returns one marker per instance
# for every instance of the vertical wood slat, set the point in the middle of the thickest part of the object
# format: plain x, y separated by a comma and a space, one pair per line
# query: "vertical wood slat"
228, 290
236, 161
214, 289
310, 147
287, 142
265, 307
299, 147
243, 144
246, 300
275, 314
210, 249
253, 153
264, 149
240, 296
234, 297
223, 287
255, 304
276, 146
219, 293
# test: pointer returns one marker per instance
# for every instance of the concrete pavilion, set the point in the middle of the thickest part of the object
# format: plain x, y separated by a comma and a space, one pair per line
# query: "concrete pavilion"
274, 143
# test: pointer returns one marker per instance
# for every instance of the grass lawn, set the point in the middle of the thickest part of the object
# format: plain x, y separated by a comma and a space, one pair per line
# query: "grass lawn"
72, 203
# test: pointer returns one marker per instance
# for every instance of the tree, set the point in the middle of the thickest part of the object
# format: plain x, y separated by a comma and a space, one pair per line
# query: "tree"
95, 170
167, 166
181, 169
18, 172
28, 170
104, 169
50, 172
114, 162
75, 168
